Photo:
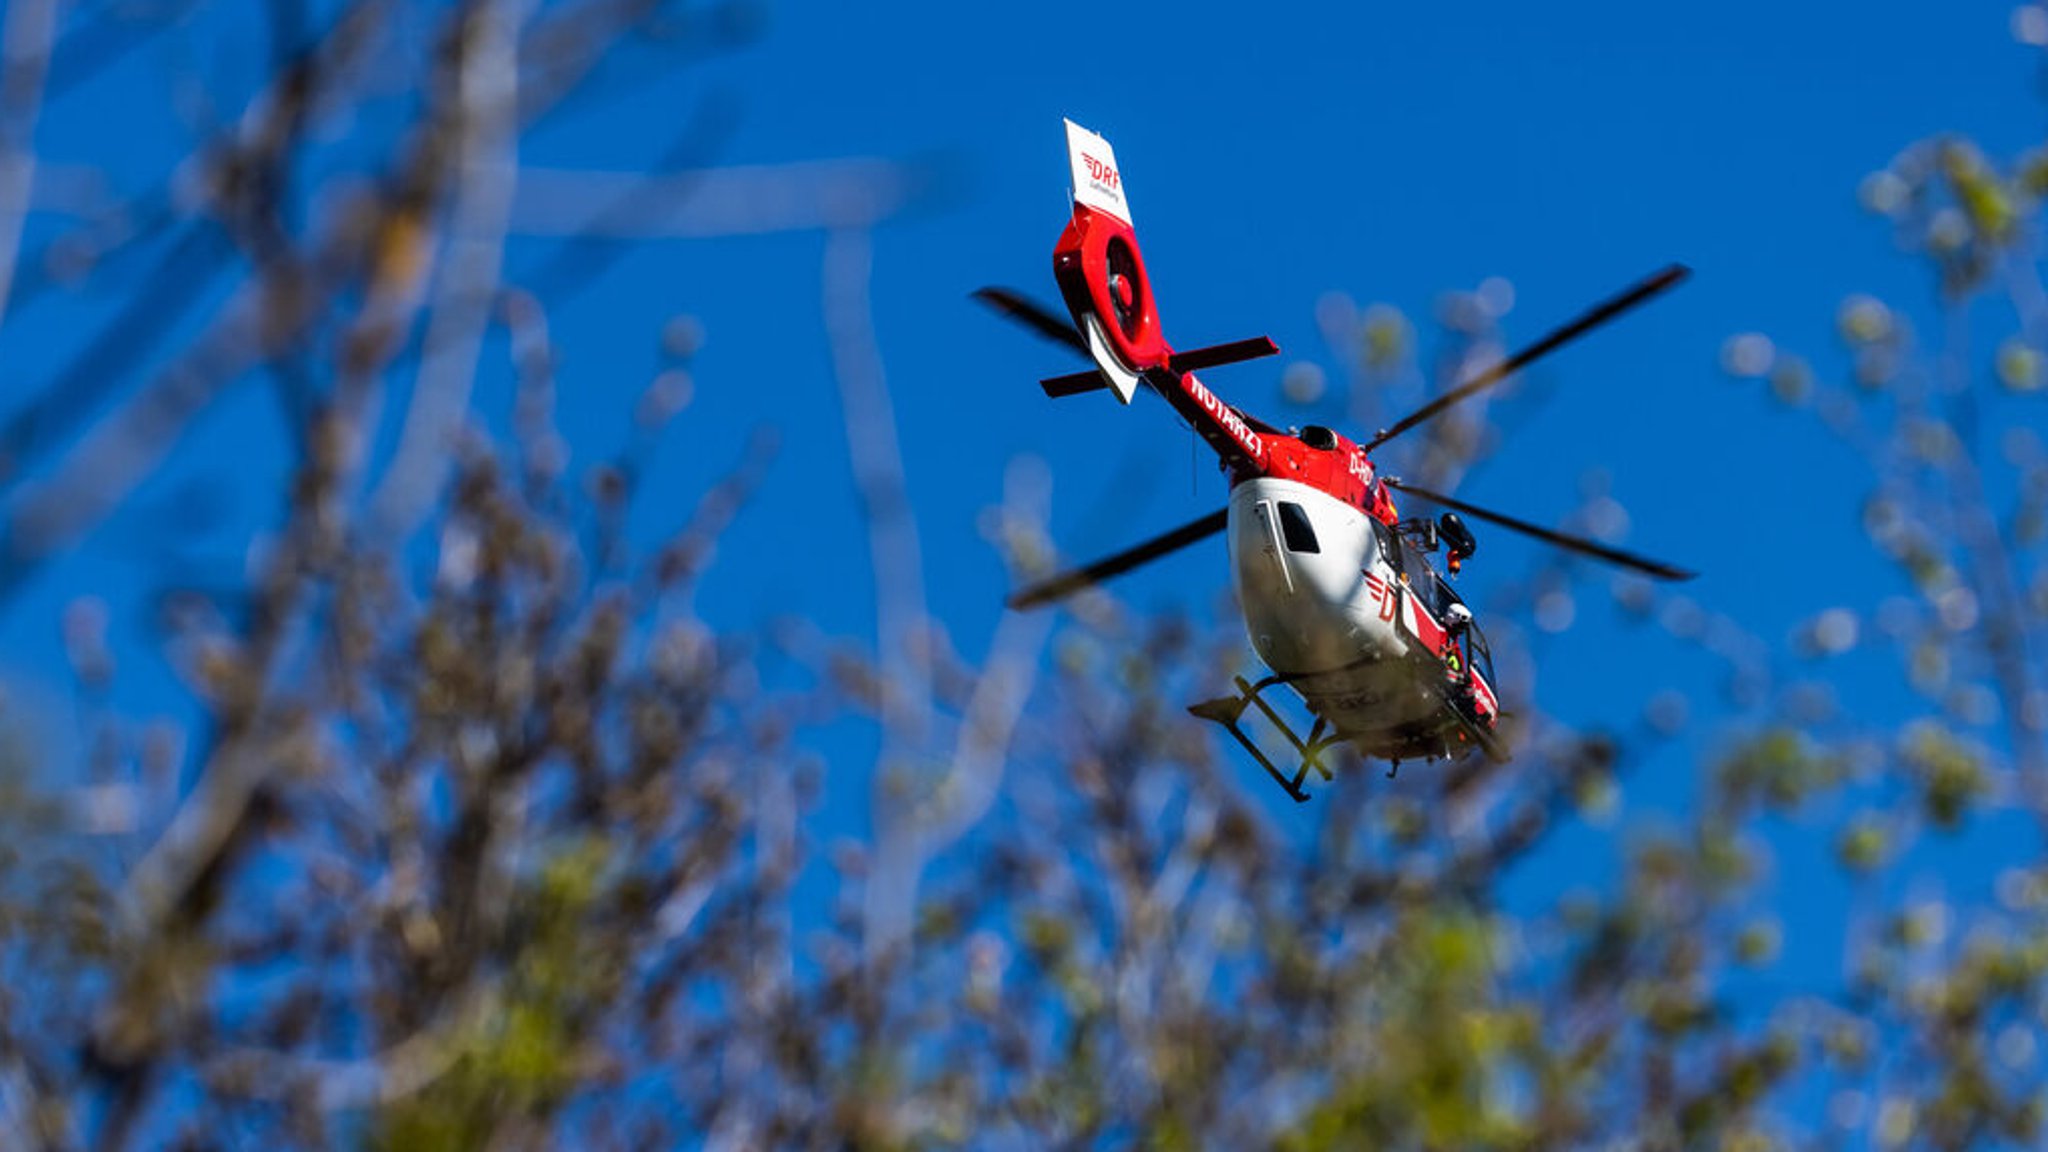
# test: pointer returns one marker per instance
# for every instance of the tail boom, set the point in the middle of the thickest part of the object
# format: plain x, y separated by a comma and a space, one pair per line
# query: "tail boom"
1102, 278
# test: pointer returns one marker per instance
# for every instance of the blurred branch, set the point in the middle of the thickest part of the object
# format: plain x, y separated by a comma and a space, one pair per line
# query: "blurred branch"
124, 447
240, 171
398, 1071
952, 804
178, 282
487, 173
847, 196
901, 623
583, 256
25, 43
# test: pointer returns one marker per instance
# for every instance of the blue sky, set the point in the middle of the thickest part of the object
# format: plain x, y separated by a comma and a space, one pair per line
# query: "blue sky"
1391, 152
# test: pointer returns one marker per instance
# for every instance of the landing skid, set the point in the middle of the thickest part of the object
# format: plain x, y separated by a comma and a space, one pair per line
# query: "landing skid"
1228, 710
1435, 744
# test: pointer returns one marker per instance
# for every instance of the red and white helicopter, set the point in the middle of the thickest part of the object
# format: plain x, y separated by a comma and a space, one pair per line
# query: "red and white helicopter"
1338, 594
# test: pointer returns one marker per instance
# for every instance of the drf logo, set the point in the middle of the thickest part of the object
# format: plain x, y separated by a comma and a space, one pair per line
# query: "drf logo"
1381, 594
1099, 172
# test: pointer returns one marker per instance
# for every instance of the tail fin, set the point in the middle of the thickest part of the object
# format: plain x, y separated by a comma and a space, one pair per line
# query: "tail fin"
1103, 280
1100, 272
1097, 182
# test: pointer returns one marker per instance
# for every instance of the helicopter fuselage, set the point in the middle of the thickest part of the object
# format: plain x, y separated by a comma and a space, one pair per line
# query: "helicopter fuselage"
1344, 610
1354, 625
1338, 593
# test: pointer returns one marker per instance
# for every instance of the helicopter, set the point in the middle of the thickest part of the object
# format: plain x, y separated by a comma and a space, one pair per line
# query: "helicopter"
1339, 597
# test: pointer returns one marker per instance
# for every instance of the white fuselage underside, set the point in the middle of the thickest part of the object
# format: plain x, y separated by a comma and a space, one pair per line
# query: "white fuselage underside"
1336, 621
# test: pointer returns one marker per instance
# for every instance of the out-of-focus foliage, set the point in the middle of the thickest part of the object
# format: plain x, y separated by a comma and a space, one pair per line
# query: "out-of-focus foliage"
474, 835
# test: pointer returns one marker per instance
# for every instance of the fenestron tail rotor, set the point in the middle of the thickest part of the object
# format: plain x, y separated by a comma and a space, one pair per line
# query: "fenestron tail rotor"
1628, 298
1569, 543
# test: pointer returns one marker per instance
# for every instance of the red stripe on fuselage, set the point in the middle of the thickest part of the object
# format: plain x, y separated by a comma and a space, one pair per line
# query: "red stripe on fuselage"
1423, 625
1241, 449
1482, 694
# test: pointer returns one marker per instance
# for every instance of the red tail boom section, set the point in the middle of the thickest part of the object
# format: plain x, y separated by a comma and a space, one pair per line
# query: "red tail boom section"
1102, 278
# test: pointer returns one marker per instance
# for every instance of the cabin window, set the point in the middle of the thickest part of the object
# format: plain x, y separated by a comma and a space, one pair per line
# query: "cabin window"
1295, 528
1389, 549
1423, 581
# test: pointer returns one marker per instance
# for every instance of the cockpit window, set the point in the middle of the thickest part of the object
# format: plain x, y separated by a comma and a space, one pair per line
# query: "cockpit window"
1423, 581
1295, 528
1384, 536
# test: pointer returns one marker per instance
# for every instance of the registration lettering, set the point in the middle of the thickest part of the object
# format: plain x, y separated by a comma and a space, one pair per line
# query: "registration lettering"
1226, 416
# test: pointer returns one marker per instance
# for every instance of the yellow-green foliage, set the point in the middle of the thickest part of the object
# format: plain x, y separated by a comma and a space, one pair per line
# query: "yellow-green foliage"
520, 1057
1438, 1048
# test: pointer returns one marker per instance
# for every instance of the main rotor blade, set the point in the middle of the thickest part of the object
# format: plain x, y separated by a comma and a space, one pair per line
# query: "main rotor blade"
1033, 315
1579, 544
1074, 579
1592, 318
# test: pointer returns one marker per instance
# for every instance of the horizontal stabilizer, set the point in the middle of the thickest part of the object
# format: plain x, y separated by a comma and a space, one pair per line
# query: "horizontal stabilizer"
1194, 360
1217, 355
1073, 383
